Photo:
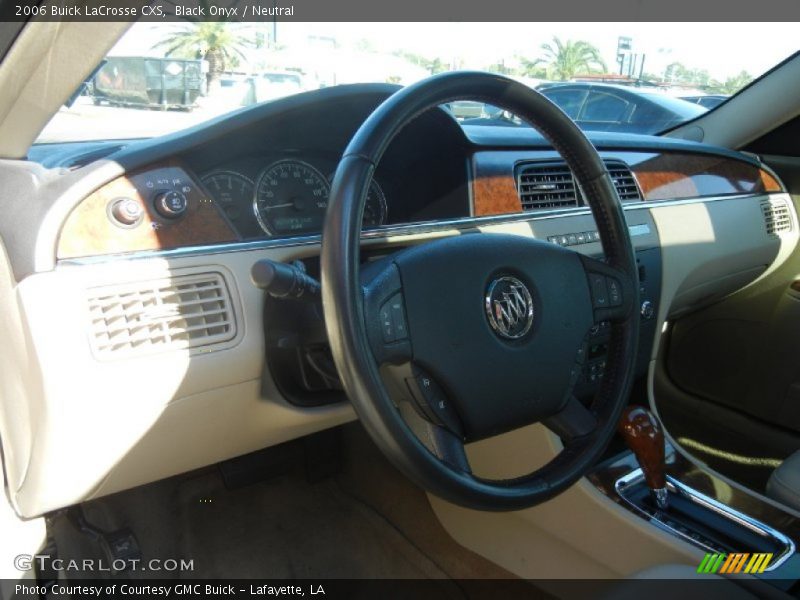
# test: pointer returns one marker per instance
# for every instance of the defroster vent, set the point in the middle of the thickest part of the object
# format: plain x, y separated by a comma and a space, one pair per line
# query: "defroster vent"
182, 312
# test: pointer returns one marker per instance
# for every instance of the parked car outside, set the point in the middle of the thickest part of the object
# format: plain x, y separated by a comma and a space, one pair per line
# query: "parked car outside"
707, 101
608, 107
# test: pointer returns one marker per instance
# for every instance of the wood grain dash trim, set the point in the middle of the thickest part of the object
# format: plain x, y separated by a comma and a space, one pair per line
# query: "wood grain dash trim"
661, 176
494, 191
88, 231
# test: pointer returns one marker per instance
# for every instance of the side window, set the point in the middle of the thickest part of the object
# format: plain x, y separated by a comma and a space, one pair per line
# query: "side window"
569, 101
604, 107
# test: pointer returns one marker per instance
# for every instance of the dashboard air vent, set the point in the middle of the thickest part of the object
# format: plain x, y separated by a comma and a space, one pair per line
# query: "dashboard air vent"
777, 217
544, 185
187, 311
624, 181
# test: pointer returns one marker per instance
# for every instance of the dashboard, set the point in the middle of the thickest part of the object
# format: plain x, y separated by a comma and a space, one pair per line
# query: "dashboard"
271, 181
264, 174
283, 197
160, 334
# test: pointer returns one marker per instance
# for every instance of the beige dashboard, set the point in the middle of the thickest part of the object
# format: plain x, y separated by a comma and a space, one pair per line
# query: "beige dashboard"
109, 383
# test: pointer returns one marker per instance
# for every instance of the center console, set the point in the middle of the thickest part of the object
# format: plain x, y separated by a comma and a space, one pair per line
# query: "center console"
740, 533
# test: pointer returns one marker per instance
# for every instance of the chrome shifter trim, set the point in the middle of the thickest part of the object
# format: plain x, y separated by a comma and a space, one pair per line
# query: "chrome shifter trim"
676, 487
662, 497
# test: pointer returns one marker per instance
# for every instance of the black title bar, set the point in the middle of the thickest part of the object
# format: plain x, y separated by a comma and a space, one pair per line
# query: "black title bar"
400, 11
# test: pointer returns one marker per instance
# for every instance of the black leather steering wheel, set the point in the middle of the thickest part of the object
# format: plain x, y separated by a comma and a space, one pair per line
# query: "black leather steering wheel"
463, 338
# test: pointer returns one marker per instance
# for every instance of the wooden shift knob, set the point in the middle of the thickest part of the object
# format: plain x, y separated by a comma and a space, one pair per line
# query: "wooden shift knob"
644, 436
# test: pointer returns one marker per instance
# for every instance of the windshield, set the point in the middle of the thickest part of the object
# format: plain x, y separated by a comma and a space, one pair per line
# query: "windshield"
622, 77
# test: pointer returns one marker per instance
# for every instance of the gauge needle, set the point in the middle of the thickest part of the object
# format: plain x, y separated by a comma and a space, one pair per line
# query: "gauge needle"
271, 206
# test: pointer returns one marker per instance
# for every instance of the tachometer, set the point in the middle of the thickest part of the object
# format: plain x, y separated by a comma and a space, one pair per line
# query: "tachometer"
291, 197
375, 208
232, 191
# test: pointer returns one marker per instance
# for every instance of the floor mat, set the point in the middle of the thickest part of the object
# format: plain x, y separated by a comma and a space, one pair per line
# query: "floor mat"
284, 528
367, 522
291, 529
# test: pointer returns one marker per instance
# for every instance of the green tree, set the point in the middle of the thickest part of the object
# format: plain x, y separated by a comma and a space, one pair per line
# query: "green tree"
735, 83
533, 68
436, 65
502, 68
676, 73
433, 66
565, 60
219, 43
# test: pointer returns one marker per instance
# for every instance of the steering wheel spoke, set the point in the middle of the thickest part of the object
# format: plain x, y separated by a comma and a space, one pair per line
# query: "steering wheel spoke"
448, 447
574, 422
612, 291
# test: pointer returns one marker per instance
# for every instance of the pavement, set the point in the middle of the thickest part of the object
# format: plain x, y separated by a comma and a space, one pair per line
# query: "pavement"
84, 121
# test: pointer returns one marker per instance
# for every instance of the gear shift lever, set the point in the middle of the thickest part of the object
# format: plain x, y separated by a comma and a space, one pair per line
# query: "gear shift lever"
644, 436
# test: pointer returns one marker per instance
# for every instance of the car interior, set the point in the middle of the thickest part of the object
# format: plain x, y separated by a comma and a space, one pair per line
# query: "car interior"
340, 334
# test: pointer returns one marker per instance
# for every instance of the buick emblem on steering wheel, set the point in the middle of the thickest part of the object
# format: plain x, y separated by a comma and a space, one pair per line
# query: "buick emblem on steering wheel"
509, 306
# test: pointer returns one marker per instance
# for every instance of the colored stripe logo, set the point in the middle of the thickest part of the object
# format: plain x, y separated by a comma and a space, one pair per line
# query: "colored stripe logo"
735, 562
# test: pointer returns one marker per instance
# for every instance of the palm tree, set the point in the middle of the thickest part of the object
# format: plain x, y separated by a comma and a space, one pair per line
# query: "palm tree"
565, 60
218, 43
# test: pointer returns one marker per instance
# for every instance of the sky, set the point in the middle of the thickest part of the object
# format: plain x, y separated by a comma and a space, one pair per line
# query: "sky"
724, 49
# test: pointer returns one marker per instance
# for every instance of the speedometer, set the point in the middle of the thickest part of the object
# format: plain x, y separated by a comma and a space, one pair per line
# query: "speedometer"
291, 198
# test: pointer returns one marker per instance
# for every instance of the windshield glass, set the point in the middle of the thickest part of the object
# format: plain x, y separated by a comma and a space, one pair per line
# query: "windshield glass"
624, 77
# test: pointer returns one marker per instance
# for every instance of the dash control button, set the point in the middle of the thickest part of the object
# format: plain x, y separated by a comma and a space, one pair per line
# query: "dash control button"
170, 205
126, 211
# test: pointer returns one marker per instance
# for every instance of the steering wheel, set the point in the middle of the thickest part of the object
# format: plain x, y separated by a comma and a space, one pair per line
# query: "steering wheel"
460, 339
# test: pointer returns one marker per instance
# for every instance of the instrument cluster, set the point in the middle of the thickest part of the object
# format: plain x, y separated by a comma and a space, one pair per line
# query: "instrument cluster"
283, 198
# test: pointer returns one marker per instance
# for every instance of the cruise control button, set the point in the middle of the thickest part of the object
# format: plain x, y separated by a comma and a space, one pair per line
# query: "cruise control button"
398, 318
387, 324
394, 326
597, 284
614, 292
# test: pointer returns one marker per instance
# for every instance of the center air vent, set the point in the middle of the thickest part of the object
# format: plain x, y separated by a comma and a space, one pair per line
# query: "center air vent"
551, 185
777, 217
188, 311
546, 185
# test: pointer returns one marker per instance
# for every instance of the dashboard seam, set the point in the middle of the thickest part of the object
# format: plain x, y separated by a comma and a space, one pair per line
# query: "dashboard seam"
390, 232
